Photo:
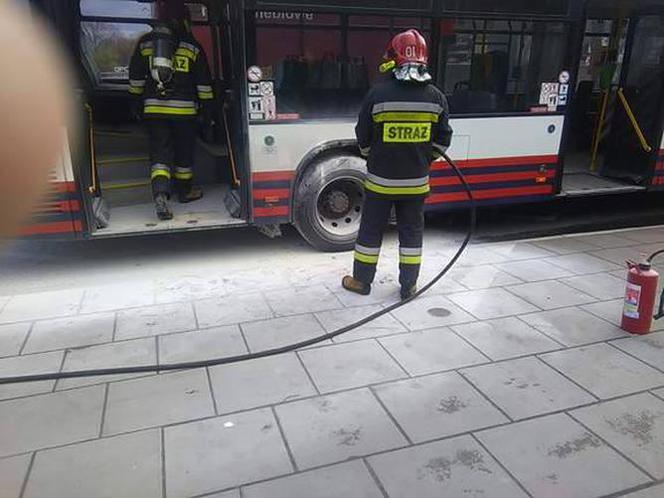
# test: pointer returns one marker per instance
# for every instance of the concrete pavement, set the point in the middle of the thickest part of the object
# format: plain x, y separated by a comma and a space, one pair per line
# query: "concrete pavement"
510, 378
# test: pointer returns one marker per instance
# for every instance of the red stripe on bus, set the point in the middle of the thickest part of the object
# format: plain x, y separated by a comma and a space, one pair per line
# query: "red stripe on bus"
62, 187
55, 227
280, 193
498, 161
490, 194
273, 176
260, 212
661, 152
492, 177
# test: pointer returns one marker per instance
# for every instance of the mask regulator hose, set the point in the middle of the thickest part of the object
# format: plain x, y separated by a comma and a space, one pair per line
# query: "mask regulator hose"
274, 351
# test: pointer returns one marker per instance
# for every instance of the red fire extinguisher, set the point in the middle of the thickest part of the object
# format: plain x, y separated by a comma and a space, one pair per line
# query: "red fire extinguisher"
640, 295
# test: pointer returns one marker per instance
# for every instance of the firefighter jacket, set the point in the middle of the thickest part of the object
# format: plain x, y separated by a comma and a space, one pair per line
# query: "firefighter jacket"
190, 86
402, 128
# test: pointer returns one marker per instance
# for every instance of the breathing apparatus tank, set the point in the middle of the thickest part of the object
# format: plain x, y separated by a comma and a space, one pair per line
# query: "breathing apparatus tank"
161, 65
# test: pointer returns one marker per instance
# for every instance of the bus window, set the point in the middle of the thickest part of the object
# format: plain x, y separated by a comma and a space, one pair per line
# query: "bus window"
322, 64
499, 66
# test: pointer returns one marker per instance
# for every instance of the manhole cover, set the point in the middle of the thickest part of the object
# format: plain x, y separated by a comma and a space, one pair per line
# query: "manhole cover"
439, 312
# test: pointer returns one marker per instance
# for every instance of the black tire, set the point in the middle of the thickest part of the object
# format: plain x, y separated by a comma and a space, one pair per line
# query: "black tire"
328, 201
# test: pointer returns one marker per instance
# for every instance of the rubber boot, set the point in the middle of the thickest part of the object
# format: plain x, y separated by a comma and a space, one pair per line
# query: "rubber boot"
190, 195
408, 291
353, 285
161, 206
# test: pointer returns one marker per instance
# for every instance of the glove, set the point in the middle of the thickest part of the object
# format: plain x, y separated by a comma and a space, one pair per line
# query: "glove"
206, 115
136, 109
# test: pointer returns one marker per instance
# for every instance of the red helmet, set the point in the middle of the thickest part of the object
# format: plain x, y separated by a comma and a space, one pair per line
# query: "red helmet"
407, 47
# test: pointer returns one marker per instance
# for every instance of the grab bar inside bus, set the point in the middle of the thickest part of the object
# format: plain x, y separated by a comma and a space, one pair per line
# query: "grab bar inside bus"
635, 124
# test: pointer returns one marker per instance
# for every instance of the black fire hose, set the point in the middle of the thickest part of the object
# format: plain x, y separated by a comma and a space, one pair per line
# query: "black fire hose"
274, 351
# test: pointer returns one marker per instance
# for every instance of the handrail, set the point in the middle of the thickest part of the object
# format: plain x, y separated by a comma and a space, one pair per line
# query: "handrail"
644, 142
598, 130
93, 159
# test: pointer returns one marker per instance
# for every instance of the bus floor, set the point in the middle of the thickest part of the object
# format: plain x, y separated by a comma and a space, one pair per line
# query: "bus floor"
579, 180
137, 215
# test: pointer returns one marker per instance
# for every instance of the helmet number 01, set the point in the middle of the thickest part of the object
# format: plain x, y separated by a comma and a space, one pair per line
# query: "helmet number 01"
411, 51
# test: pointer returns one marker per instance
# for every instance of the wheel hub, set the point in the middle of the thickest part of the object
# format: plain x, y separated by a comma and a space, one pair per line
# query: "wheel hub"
338, 202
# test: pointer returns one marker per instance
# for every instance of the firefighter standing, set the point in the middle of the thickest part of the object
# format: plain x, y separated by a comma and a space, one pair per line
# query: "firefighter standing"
169, 70
402, 127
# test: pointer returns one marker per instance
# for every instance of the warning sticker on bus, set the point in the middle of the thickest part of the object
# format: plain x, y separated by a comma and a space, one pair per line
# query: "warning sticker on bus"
407, 132
632, 299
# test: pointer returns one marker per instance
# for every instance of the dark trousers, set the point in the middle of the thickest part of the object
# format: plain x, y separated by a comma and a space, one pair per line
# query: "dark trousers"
172, 143
410, 224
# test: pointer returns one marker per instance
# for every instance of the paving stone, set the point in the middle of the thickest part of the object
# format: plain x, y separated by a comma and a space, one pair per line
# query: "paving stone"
128, 466
219, 453
3, 301
296, 300
231, 310
430, 351
491, 303
355, 364
504, 338
437, 406
260, 382
50, 420
526, 387
604, 370
656, 491
534, 271
337, 427
137, 352
564, 245
429, 312
554, 456
648, 348
483, 277
582, 264
573, 326
275, 332
521, 250
205, 344
480, 255
119, 296
350, 480
455, 467
633, 425
551, 294
610, 311
644, 235
41, 305
70, 332
157, 400
235, 493
12, 337
12, 474
618, 255
155, 320
385, 325
604, 240
188, 288
27, 365
601, 285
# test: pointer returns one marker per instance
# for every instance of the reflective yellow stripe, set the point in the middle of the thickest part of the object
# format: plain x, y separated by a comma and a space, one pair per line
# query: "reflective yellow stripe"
417, 117
147, 51
183, 176
379, 189
186, 52
136, 90
410, 260
160, 172
179, 111
205, 95
364, 258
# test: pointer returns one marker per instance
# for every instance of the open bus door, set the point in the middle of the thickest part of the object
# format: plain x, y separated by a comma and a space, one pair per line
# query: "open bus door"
636, 128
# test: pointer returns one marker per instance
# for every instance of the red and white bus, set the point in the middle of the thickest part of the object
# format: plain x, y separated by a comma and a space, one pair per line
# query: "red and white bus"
548, 98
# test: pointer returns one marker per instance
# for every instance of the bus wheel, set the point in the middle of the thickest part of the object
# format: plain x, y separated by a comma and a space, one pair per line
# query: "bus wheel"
328, 202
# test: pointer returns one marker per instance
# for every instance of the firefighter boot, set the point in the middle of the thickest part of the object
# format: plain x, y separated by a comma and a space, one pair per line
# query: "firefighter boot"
161, 206
190, 195
408, 291
353, 285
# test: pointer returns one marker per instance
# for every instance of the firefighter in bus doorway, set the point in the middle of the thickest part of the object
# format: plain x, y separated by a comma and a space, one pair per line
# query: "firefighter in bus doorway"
402, 127
170, 73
